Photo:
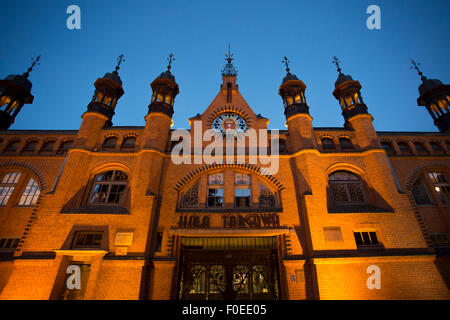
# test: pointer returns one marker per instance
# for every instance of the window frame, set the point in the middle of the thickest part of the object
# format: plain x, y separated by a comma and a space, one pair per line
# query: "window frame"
345, 183
378, 244
110, 183
77, 233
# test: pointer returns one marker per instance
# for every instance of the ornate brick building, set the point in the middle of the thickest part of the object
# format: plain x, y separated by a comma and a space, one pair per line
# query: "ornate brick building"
351, 213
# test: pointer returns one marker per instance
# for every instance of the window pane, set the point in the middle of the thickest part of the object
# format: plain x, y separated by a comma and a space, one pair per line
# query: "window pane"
242, 179
339, 192
366, 238
355, 192
189, 198
242, 198
420, 194
30, 194
358, 238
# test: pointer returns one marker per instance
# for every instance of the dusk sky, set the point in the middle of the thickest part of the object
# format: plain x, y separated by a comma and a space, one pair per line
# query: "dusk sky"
260, 32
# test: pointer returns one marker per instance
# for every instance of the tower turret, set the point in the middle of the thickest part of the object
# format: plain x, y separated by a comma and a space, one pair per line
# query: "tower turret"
348, 92
298, 119
100, 110
435, 96
15, 91
160, 111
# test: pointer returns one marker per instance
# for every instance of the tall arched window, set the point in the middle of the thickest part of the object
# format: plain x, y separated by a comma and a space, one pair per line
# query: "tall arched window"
346, 187
420, 148
404, 148
7, 186
109, 188
346, 143
437, 149
31, 194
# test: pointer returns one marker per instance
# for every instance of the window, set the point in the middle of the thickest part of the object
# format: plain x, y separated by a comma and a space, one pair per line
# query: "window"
332, 234
419, 192
30, 147
266, 197
346, 143
30, 194
7, 186
440, 239
128, 143
441, 186
109, 143
387, 146
436, 148
10, 243
47, 146
109, 188
420, 148
64, 147
242, 193
87, 240
158, 244
404, 148
215, 190
366, 239
189, 198
346, 187
328, 143
12, 146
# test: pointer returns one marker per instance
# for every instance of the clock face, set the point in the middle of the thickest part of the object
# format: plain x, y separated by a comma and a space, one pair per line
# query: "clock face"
230, 123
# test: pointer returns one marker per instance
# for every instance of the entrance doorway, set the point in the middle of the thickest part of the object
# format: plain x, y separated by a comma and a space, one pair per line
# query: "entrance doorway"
229, 269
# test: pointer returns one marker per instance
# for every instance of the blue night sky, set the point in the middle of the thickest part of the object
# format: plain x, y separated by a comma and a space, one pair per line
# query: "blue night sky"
309, 33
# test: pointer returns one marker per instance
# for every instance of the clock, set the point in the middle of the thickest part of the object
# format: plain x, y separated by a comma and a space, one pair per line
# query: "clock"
229, 123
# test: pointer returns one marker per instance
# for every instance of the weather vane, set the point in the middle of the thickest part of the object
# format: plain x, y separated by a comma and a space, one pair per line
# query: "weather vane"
229, 55
35, 61
285, 61
336, 61
120, 59
416, 65
170, 59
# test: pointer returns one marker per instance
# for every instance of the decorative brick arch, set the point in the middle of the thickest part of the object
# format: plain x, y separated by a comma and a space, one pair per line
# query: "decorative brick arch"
419, 170
409, 182
247, 167
42, 181
232, 109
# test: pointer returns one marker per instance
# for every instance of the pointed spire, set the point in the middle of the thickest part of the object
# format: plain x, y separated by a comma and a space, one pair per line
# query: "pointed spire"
35, 61
285, 61
170, 59
415, 65
120, 59
337, 62
229, 69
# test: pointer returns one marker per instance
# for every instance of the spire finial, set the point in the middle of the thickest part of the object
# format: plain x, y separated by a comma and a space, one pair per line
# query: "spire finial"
120, 59
229, 55
285, 61
416, 65
170, 59
35, 61
337, 62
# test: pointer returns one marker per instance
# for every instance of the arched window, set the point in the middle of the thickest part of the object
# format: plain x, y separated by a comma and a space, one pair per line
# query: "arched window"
12, 146
267, 197
109, 188
419, 191
346, 187
387, 146
420, 148
109, 143
404, 148
189, 198
328, 144
346, 143
437, 149
64, 147
48, 146
31, 194
7, 186
29, 147
128, 143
